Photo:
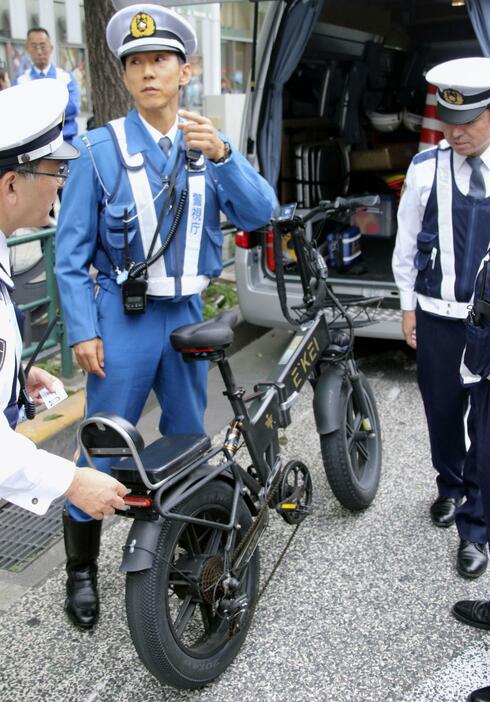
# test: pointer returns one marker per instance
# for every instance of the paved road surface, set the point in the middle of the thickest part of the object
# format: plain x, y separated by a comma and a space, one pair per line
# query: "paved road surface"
357, 611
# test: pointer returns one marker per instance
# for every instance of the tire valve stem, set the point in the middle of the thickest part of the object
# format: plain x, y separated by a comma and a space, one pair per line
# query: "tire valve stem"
233, 437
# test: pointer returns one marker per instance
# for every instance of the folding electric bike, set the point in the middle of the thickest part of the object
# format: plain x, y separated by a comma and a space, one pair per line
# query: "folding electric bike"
191, 556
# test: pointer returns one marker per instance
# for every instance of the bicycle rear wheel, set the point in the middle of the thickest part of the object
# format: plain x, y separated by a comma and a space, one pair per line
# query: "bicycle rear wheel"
351, 458
178, 630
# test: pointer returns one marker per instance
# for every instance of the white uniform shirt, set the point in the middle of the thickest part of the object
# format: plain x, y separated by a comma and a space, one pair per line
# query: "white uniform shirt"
29, 477
418, 185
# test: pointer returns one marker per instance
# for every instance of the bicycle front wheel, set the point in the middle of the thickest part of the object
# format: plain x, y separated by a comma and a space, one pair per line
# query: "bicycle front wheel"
351, 456
174, 612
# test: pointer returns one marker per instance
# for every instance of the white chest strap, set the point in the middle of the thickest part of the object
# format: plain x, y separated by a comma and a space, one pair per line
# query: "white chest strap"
159, 283
445, 224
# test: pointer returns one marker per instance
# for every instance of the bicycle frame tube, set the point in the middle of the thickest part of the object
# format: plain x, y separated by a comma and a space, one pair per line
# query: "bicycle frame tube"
260, 421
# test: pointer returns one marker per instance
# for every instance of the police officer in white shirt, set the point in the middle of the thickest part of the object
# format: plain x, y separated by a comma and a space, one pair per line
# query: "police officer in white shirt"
33, 165
443, 233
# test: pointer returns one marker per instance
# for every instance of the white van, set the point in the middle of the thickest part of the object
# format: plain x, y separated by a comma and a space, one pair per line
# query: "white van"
335, 107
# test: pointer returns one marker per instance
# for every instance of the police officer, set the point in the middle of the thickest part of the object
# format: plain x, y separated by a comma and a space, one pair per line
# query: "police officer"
39, 47
33, 164
443, 232
154, 179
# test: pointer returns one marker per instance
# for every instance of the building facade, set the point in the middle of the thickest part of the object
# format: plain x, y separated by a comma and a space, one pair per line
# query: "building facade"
222, 63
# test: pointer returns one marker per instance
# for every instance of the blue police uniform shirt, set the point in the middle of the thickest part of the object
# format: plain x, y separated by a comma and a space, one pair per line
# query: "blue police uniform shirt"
70, 127
98, 191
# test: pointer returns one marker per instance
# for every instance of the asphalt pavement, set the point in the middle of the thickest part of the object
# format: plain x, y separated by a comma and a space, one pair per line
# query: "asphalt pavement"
358, 610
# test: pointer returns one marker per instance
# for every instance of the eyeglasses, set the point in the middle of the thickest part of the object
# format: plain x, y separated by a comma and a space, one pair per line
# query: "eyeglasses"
61, 175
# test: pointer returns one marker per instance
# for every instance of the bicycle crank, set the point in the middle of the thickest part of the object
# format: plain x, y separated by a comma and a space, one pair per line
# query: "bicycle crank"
295, 492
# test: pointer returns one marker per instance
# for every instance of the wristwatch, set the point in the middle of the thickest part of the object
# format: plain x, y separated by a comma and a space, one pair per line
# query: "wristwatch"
226, 154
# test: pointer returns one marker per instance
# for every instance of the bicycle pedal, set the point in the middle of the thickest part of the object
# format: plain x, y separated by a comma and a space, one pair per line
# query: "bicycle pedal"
287, 506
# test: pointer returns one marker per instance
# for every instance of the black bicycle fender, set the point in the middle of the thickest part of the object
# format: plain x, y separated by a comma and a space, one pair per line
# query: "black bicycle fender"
141, 546
326, 400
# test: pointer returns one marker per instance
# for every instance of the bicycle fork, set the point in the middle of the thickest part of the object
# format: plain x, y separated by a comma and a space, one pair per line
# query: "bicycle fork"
355, 379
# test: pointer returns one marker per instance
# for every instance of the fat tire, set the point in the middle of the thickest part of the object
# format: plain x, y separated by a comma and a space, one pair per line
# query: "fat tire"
146, 605
352, 491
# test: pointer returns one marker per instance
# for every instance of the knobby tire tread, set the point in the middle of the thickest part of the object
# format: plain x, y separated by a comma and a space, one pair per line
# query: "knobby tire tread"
337, 463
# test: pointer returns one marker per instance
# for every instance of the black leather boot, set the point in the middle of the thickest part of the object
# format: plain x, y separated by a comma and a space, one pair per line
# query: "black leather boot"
82, 540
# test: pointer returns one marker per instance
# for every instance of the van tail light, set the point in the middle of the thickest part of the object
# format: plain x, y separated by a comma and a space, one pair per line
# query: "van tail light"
243, 240
269, 250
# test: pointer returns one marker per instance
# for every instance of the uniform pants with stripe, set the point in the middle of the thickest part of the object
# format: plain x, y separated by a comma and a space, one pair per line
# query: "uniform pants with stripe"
440, 344
138, 358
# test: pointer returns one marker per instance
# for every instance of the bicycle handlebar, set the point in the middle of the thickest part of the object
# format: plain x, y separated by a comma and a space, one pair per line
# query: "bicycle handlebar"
339, 204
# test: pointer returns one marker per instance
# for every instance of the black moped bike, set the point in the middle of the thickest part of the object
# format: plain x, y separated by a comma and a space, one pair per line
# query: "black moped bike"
192, 556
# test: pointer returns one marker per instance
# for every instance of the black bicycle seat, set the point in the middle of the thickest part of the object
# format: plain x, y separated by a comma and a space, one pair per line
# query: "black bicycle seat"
215, 334
163, 457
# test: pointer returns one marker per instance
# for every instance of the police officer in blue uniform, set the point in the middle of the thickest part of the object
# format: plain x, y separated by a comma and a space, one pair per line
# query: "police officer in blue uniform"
33, 165
443, 232
143, 207
40, 48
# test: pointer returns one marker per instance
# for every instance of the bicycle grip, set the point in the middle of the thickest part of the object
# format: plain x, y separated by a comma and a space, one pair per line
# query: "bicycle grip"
362, 201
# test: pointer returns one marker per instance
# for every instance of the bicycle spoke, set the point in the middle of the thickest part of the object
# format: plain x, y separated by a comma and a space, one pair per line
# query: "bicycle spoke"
185, 615
192, 540
212, 546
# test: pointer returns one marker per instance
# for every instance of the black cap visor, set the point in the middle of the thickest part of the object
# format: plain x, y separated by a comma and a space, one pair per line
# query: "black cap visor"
452, 116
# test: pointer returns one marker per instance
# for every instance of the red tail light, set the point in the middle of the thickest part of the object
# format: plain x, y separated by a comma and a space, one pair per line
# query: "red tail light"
134, 501
243, 240
269, 251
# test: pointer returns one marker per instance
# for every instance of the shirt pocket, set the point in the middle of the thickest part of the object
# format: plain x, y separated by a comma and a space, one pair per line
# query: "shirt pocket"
427, 250
114, 219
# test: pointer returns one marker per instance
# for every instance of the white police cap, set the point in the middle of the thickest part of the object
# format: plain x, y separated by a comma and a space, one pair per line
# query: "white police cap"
148, 27
32, 123
463, 88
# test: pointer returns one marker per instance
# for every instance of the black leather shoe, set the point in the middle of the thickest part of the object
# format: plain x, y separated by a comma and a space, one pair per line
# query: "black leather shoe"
473, 612
480, 695
443, 511
472, 559
82, 601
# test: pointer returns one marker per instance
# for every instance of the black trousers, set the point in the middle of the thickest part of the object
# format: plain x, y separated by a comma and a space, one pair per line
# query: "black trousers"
480, 398
440, 344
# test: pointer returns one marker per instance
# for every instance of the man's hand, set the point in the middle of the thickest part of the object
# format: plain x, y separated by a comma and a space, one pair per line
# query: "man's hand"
96, 493
90, 356
408, 328
39, 379
199, 133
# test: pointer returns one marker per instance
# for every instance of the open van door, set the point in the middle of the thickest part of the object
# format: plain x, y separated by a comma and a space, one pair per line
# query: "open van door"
335, 109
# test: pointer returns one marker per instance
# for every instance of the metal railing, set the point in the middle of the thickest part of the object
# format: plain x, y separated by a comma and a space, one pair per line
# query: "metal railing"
57, 338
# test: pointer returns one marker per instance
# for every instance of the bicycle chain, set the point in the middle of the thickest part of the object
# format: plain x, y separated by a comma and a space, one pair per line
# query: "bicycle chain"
268, 505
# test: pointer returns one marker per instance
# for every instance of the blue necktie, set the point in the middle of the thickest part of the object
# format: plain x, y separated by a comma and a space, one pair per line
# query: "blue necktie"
166, 145
477, 184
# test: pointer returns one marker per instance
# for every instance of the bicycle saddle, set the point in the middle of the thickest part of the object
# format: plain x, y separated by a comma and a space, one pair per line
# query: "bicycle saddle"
214, 334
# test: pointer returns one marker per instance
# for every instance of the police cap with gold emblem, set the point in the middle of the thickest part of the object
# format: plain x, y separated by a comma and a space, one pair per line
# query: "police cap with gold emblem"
148, 27
32, 123
463, 88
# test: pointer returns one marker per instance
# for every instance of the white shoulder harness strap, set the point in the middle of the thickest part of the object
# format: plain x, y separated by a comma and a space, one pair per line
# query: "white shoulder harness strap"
445, 223
159, 283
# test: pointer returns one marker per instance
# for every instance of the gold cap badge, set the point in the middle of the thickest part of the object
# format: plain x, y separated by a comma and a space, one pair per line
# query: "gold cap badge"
453, 97
142, 25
